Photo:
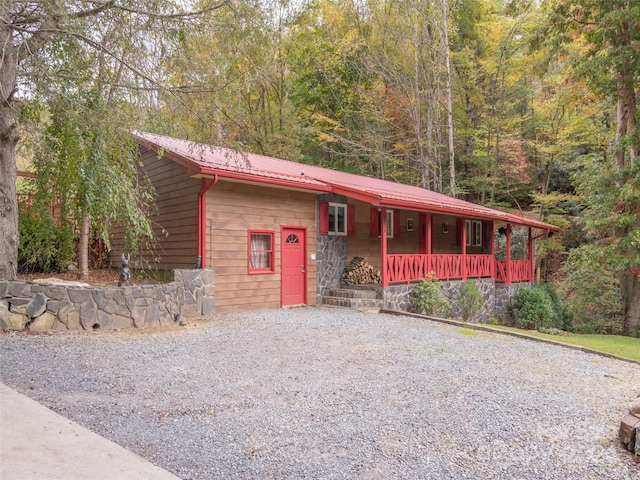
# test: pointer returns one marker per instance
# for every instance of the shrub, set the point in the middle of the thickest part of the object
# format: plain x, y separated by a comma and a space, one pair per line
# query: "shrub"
44, 245
562, 316
531, 309
427, 296
469, 300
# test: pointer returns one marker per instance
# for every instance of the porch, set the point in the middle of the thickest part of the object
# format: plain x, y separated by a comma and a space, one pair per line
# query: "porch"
476, 257
406, 245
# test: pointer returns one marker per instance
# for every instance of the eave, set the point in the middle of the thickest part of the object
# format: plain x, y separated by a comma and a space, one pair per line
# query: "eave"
261, 179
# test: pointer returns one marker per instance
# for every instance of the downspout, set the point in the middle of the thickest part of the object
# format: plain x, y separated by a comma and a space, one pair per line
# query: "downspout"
202, 218
543, 234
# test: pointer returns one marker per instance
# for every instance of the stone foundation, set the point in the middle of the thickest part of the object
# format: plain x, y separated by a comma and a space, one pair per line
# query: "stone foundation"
40, 306
495, 299
503, 294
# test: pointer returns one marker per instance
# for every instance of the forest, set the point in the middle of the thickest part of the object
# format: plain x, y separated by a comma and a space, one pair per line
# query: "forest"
524, 105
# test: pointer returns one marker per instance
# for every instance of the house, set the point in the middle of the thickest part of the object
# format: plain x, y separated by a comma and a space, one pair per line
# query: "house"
279, 233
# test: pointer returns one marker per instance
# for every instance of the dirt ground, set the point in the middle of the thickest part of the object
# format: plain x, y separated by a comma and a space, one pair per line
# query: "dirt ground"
97, 277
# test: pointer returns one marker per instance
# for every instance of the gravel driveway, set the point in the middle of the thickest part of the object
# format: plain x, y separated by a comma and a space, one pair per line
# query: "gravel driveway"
333, 393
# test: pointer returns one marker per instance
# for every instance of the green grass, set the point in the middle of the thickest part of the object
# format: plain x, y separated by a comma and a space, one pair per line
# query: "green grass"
627, 347
469, 332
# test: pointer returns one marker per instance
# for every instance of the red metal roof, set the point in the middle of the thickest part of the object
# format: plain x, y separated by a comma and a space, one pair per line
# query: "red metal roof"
209, 160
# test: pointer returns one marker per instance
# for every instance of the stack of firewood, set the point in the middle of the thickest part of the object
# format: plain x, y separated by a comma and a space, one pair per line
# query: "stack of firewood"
359, 272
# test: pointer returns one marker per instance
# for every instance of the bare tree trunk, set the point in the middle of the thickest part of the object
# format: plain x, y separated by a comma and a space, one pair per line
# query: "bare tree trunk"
8, 202
494, 178
445, 47
630, 290
83, 245
621, 131
9, 136
630, 277
426, 176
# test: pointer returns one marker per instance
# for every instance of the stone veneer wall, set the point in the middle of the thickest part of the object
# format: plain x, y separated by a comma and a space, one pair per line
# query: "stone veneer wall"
331, 255
495, 295
503, 294
40, 306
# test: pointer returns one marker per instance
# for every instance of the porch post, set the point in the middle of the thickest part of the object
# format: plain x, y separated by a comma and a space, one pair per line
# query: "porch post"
383, 247
429, 222
492, 252
530, 252
463, 244
508, 272
492, 238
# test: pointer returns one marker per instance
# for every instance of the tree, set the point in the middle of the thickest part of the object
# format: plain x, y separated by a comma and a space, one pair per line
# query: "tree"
33, 38
610, 184
81, 146
240, 71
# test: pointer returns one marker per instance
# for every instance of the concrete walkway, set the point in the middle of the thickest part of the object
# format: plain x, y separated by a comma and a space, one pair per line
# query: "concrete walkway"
37, 444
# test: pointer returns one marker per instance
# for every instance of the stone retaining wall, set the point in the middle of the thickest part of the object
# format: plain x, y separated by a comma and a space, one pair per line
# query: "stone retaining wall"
44, 306
495, 298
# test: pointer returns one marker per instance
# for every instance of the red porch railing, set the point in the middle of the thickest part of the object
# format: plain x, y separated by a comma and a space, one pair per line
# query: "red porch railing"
411, 268
520, 271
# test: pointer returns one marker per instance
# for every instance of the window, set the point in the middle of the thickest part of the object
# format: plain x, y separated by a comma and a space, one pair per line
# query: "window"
474, 233
261, 252
337, 219
390, 224
292, 239
393, 223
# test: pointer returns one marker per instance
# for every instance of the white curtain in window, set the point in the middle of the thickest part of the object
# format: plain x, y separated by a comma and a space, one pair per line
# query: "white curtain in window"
260, 251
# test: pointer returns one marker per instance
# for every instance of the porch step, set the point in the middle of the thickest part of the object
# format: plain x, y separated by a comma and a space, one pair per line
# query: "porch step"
361, 298
360, 293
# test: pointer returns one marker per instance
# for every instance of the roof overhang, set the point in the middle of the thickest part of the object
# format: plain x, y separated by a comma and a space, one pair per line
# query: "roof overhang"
260, 179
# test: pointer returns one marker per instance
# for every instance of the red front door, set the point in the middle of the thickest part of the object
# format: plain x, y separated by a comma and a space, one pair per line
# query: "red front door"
294, 266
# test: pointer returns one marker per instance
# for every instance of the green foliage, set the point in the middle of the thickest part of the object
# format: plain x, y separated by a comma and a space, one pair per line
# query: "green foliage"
45, 245
83, 159
540, 307
531, 308
562, 316
427, 296
592, 290
469, 300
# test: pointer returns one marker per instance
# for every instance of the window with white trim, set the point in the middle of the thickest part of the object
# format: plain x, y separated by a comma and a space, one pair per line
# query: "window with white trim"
474, 233
390, 224
337, 219
261, 251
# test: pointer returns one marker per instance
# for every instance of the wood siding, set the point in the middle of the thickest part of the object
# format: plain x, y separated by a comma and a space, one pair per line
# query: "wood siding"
232, 210
177, 207
362, 245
